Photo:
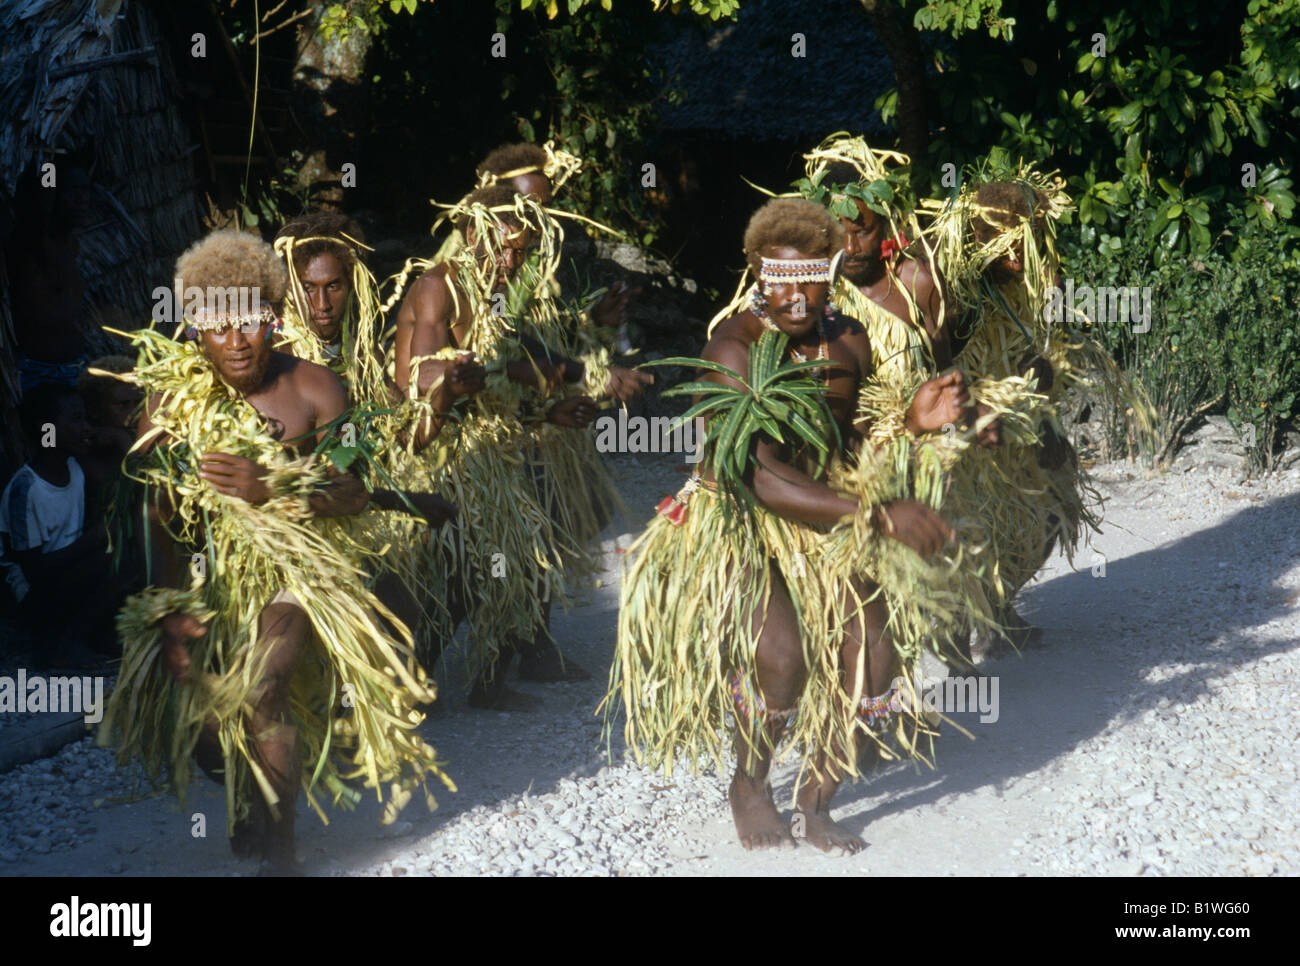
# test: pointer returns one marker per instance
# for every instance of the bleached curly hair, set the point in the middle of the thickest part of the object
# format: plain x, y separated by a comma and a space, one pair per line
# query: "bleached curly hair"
229, 258
792, 223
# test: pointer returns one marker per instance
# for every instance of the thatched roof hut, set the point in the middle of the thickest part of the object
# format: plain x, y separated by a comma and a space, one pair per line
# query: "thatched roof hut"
94, 78
743, 80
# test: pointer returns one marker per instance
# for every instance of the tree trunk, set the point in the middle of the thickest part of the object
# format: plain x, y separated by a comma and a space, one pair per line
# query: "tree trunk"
329, 103
902, 44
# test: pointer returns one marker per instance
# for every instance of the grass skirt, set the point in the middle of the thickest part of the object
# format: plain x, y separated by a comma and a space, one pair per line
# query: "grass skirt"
689, 593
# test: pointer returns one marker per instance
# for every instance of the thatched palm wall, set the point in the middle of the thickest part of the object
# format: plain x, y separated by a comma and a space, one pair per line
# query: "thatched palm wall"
96, 78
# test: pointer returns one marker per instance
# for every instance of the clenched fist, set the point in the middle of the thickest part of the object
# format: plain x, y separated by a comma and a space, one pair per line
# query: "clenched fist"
913, 524
576, 412
938, 402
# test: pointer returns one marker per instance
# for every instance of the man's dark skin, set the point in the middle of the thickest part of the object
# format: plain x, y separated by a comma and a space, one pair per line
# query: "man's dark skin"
296, 398
430, 319
793, 495
427, 321
533, 184
327, 293
327, 290
542, 661
882, 280
326, 283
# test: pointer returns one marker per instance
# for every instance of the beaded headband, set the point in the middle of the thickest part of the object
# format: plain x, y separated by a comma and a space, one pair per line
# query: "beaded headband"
206, 321
783, 271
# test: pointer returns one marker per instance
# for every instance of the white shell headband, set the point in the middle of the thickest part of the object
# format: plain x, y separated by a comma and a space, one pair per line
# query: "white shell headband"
206, 320
785, 271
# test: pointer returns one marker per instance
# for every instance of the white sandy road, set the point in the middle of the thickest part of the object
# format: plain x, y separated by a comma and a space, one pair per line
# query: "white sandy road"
1149, 733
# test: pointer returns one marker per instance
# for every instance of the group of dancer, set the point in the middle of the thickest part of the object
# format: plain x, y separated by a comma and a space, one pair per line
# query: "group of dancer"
331, 482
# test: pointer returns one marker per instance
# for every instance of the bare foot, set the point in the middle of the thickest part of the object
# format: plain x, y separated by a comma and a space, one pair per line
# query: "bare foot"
820, 831
758, 823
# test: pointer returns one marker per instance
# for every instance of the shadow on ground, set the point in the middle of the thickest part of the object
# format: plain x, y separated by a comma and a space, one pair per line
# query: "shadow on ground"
1190, 601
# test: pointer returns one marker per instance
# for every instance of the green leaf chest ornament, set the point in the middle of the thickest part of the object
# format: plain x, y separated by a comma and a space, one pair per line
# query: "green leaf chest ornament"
776, 398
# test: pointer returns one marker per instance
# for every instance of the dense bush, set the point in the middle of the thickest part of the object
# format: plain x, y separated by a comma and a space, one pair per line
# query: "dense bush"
1224, 328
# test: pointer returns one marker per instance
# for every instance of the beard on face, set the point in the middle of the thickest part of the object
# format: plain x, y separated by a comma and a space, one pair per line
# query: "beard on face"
856, 272
245, 380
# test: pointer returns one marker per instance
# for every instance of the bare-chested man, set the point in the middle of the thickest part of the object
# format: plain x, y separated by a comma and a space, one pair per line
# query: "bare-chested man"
890, 284
789, 244
332, 317
907, 288
450, 307
993, 343
295, 399
538, 173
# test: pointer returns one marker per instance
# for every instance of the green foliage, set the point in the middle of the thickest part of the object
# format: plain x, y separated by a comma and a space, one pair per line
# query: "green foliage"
779, 400
713, 9
574, 72
956, 18
1156, 115
880, 195
602, 103
1223, 334
281, 197
367, 16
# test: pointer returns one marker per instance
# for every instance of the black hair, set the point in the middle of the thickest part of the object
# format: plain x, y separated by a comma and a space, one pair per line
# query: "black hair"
43, 404
512, 157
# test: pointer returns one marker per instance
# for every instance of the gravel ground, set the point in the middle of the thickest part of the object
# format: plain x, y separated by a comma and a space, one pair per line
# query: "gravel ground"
1147, 733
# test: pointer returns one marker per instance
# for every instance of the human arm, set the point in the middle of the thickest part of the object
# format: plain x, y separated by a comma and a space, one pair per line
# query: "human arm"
440, 383
939, 402
794, 495
923, 280
324, 399
546, 371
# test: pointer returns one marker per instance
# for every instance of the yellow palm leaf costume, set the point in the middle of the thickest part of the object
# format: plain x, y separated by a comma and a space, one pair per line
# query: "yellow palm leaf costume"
1023, 503
355, 695
417, 558
515, 478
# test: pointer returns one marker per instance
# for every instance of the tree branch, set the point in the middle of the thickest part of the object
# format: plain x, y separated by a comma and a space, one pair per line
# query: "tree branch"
296, 17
